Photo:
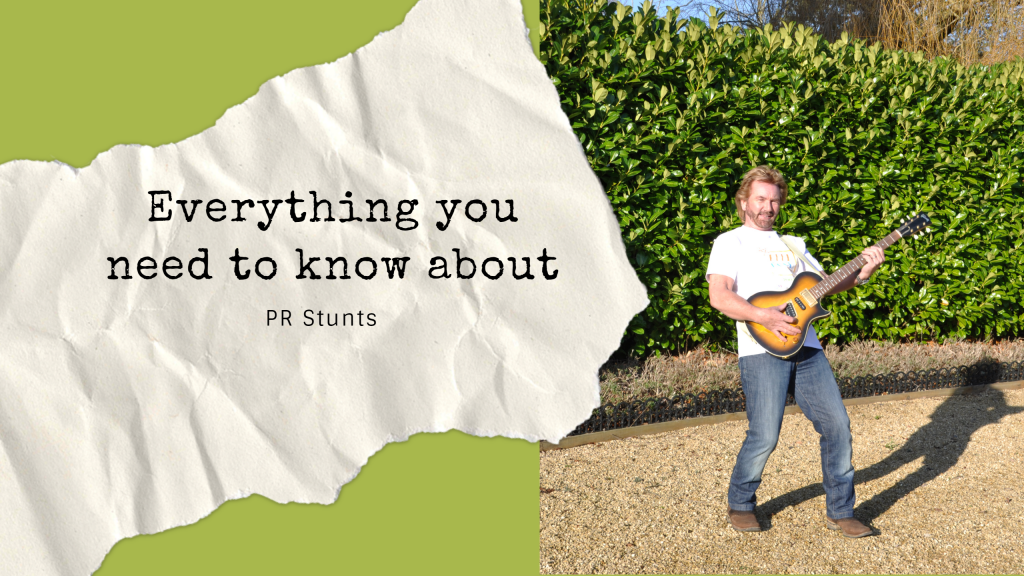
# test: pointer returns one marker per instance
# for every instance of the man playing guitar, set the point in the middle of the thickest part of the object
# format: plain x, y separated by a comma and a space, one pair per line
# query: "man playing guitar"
754, 258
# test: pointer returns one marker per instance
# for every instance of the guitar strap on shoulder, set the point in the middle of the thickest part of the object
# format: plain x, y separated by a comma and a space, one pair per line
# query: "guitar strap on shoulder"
790, 242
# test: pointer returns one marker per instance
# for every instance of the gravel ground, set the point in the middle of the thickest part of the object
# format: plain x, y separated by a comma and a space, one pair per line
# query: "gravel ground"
940, 479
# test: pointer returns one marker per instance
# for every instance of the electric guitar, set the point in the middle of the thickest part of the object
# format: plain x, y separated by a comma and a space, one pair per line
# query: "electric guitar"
803, 298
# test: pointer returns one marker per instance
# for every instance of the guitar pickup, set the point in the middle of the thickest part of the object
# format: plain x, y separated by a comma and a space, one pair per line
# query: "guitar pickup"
790, 310
810, 300
800, 303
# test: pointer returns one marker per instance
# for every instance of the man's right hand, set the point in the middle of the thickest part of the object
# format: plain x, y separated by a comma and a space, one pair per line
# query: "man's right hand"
778, 322
724, 298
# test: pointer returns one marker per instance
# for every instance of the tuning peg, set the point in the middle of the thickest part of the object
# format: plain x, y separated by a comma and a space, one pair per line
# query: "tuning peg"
928, 229
902, 220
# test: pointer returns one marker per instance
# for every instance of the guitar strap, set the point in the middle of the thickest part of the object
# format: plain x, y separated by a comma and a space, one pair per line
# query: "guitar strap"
790, 242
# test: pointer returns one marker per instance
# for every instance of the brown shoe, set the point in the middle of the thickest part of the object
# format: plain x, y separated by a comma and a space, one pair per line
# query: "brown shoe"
850, 527
743, 521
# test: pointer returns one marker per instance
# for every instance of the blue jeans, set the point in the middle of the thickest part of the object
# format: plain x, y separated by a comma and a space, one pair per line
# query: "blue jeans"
766, 380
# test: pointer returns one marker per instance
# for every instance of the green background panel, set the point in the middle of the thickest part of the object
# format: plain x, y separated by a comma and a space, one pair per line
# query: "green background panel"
79, 78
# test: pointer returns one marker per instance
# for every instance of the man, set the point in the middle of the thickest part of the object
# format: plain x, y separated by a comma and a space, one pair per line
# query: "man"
751, 259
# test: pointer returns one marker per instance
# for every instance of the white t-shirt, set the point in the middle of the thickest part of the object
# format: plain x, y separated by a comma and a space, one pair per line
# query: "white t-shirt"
758, 261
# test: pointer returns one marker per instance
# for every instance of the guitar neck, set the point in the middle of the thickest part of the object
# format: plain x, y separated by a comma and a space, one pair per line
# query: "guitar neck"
836, 278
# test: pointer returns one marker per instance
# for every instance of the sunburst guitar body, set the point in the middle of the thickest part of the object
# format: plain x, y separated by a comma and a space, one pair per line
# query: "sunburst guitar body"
797, 306
803, 298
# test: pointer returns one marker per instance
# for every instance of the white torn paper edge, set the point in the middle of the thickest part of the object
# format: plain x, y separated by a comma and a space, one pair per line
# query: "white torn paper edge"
134, 406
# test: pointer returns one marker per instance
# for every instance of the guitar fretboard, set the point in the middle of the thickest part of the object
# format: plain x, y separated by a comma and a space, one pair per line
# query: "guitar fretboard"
836, 278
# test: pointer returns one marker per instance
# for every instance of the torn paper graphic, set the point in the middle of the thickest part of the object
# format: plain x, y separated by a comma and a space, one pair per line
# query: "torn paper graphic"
409, 239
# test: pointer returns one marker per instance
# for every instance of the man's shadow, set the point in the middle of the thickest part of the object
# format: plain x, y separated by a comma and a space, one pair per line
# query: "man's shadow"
942, 441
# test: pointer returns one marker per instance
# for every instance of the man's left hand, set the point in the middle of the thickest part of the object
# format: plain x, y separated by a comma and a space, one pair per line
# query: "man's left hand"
875, 256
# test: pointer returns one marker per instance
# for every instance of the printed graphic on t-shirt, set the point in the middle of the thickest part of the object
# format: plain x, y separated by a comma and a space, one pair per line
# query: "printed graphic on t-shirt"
781, 262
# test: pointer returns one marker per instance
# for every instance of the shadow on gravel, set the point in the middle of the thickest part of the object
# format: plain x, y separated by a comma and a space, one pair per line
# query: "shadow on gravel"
942, 441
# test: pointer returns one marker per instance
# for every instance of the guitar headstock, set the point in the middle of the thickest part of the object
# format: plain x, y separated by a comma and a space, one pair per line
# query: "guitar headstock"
917, 225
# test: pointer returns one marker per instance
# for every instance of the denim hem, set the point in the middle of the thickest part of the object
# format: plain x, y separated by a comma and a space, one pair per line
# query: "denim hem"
840, 516
743, 508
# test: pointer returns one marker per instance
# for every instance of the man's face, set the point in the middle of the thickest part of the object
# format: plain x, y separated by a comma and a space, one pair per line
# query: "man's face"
762, 207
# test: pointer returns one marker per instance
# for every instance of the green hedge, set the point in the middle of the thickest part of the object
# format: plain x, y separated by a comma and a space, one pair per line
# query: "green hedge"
672, 113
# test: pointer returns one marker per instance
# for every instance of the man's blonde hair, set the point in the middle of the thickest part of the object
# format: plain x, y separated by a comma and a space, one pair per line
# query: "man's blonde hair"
765, 174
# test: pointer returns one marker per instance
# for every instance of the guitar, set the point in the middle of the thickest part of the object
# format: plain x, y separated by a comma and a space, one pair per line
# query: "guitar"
803, 298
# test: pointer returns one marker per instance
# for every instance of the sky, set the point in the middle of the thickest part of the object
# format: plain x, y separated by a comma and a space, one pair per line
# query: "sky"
662, 5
